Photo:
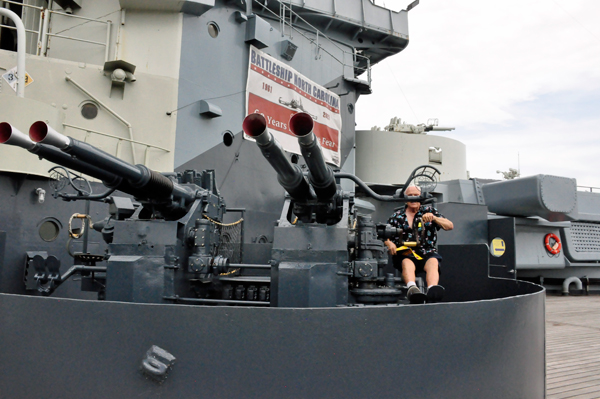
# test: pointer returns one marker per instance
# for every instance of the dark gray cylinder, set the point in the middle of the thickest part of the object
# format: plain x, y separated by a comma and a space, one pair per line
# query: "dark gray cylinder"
142, 181
550, 197
12, 136
321, 175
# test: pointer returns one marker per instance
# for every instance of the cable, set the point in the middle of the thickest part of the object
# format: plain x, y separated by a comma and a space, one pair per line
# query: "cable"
235, 159
399, 87
86, 22
574, 19
211, 98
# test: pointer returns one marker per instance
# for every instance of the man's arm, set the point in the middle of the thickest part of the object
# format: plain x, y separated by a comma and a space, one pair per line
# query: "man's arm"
440, 221
390, 246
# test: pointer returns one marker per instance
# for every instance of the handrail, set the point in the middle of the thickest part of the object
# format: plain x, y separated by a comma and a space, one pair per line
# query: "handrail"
120, 139
21, 4
20, 49
43, 29
76, 39
588, 188
108, 29
115, 137
14, 28
38, 33
284, 8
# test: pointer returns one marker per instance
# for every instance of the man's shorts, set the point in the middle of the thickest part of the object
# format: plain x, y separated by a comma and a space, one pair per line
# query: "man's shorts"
419, 264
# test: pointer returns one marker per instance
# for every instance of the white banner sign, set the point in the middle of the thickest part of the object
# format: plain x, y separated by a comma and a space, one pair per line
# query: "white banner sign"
277, 91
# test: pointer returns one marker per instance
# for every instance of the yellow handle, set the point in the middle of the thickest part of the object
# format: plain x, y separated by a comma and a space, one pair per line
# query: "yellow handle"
406, 247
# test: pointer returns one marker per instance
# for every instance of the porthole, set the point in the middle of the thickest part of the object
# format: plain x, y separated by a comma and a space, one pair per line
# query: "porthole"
213, 29
295, 158
351, 108
89, 110
227, 138
49, 230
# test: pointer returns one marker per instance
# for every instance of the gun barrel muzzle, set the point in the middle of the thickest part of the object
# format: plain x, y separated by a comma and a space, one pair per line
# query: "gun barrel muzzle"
255, 126
302, 125
41, 132
13, 136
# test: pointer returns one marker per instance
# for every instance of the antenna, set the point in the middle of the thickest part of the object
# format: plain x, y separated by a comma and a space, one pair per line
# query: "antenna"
412, 5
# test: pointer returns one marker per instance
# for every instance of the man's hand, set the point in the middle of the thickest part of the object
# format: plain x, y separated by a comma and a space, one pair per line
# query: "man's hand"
429, 217
442, 222
391, 247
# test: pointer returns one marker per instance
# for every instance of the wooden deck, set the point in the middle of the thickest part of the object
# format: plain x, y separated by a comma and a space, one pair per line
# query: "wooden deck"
573, 347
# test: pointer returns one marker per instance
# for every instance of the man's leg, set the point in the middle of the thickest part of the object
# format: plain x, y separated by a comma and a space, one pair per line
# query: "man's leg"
432, 271
414, 294
408, 271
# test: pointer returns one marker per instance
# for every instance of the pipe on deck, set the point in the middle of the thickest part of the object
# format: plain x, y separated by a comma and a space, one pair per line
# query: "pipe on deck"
568, 281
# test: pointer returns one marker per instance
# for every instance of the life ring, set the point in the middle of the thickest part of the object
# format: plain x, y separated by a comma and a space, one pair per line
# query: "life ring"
554, 248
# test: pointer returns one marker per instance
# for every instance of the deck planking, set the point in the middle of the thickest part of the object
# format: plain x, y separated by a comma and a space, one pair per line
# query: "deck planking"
573, 347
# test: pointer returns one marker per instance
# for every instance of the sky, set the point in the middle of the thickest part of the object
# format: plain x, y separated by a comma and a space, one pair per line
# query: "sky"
519, 80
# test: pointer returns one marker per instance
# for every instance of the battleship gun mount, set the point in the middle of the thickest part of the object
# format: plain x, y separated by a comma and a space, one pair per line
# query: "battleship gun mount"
325, 252
166, 239
163, 244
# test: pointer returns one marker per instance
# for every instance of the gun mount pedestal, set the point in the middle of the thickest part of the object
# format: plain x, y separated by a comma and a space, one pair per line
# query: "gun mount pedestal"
310, 265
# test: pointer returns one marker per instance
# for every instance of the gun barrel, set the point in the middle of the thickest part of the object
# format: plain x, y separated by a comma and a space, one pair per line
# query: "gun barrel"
41, 132
321, 175
142, 182
290, 176
13, 136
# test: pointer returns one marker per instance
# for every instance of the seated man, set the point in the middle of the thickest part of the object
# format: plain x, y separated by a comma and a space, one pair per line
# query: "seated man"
424, 257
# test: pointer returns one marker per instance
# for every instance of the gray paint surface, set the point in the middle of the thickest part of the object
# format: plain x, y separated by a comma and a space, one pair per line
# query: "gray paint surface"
492, 349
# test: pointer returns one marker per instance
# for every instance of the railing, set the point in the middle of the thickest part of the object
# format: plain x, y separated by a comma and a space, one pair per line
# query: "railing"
38, 32
43, 33
588, 188
46, 34
285, 10
119, 142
